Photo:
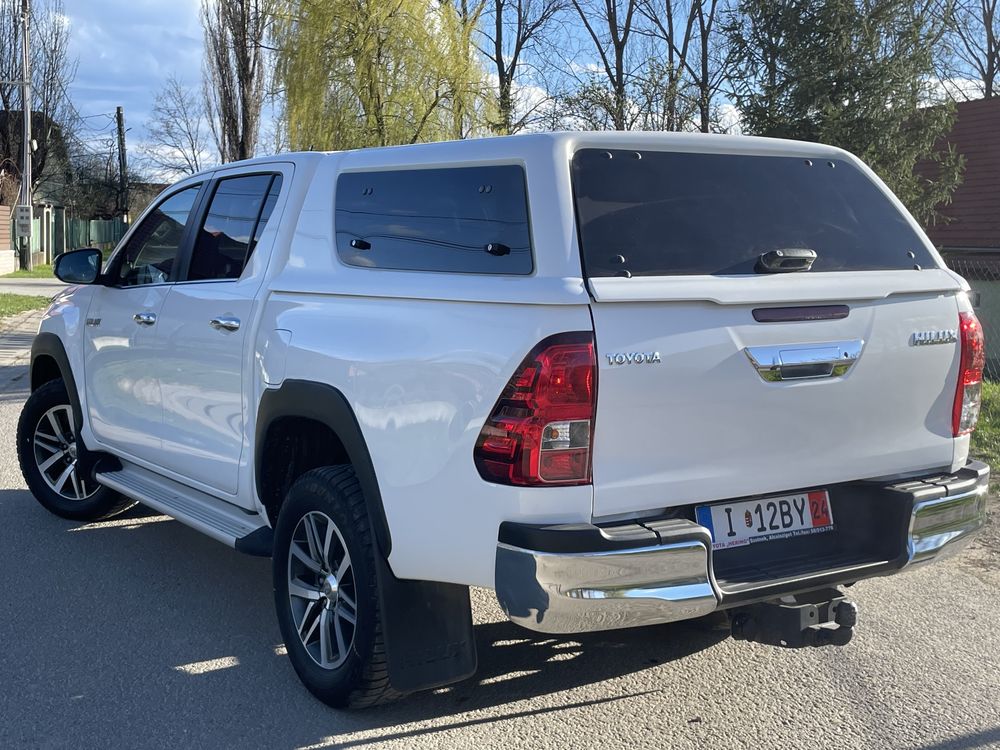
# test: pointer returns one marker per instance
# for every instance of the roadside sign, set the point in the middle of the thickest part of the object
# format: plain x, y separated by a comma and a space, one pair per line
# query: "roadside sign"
22, 221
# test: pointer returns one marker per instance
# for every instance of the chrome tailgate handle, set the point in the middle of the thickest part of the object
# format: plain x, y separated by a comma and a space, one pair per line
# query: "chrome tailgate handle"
144, 318
804, 361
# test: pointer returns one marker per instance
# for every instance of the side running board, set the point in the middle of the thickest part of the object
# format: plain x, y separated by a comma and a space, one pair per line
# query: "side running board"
224, 522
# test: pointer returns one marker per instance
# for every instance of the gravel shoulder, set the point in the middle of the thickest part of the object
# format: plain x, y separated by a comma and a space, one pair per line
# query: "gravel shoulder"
982, 558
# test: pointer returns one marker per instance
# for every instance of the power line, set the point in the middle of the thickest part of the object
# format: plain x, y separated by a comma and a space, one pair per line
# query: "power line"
109, 115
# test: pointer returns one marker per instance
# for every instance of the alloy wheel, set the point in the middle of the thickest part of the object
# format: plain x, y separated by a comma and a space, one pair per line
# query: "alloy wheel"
55, 450
322, 592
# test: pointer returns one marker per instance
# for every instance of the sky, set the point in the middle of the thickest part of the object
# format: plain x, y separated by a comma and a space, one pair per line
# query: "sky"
125, 50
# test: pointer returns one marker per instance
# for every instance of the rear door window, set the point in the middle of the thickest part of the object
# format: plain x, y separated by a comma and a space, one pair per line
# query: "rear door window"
461, 220
660, 213
237, 213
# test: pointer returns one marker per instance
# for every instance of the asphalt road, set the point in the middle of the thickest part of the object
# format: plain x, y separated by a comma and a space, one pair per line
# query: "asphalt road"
141, 633
33, 287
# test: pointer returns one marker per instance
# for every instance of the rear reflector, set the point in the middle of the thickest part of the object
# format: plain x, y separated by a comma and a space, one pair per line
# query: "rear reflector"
968, 395
540, 431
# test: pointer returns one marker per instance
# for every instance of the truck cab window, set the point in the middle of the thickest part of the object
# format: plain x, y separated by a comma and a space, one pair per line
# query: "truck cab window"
151, 253
239, 209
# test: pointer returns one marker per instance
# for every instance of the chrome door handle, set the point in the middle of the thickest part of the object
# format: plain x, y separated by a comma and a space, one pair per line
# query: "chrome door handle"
225, 323
805, 361
144, 318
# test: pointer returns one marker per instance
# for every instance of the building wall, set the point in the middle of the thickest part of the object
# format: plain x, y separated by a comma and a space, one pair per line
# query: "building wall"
981, 268
8, 261
972, 218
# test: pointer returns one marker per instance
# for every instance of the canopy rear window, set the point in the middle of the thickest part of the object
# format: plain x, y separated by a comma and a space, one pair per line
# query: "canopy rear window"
660, 213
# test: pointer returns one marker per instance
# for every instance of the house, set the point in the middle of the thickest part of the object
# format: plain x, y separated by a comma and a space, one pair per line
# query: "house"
969, 236
973, 217
8, 260
50, 162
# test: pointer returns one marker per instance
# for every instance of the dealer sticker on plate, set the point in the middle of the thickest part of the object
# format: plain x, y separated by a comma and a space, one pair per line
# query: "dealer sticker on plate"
737, 524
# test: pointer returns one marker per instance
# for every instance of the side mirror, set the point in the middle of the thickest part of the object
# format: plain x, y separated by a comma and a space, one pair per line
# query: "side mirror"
79, 266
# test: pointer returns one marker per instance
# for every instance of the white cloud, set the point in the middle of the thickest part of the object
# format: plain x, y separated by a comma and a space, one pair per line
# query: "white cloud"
589, 67
126, 50
729, 119
957, 88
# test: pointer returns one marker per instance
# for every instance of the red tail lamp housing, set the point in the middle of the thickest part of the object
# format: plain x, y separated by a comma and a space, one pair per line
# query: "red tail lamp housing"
540, 432
968, 396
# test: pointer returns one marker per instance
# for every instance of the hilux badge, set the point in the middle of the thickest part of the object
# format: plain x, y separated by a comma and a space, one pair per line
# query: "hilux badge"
926, 338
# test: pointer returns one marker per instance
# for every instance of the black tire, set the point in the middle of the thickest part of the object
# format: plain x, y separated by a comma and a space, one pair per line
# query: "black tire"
361, 679
99, 502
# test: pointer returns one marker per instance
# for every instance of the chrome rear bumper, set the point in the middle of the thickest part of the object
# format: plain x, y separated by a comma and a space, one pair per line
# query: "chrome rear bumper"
578, 578
573, 593
941, 527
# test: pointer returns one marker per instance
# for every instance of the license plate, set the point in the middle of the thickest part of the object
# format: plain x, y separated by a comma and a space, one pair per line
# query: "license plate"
738, 524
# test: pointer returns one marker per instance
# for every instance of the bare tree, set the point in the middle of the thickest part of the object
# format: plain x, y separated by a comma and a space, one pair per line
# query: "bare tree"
178, 137
235, 72
93, 192
710, 73
54, 118
664, 97
610, 25
695, 57
274, 137
512, 30
971, 66
673, 23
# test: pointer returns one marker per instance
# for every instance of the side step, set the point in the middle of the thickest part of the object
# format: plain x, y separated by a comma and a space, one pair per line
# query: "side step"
224, 522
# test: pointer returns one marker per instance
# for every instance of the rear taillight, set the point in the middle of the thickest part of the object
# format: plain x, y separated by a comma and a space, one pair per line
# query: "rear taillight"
970, 375
540, 431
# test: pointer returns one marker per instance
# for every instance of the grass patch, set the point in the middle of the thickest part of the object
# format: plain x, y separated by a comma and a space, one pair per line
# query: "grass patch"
38, 272
986, 438
12, 304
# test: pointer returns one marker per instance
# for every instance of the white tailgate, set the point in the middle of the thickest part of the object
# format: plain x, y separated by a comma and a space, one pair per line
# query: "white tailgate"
703, 425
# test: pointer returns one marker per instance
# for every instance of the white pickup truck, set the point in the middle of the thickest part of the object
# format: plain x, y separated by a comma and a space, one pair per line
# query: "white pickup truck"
620, 379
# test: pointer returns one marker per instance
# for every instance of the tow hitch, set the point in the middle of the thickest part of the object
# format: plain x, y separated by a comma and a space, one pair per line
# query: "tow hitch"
816, 618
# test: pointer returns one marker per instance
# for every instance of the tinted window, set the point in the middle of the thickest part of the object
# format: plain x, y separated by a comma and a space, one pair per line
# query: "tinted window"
674, 213
237, 213
464, 220
265, 212
151, 253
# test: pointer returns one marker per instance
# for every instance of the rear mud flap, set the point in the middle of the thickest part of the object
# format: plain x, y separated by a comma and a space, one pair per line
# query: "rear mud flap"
427, 628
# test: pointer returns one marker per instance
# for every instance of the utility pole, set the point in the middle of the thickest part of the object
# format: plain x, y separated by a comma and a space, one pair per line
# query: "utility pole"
26, 140
122, 163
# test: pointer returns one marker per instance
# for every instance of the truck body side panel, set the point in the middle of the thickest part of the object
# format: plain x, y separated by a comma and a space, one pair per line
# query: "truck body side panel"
422, 376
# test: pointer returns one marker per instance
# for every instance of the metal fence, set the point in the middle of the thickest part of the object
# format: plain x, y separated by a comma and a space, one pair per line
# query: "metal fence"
982, 270
103, 234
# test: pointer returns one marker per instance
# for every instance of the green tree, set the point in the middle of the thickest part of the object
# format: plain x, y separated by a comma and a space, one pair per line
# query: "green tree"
858, 74
359, 73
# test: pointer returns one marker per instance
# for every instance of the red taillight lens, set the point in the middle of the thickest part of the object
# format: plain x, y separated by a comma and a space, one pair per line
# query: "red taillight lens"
540, 431
970, 375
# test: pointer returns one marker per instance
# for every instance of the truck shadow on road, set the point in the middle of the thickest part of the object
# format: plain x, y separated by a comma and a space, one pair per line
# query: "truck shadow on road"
174, 624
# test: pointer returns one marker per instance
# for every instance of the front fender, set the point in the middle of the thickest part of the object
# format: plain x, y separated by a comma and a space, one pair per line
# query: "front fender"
49, 345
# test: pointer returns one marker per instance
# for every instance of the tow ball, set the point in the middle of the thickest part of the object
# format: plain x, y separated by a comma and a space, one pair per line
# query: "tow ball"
816, 618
